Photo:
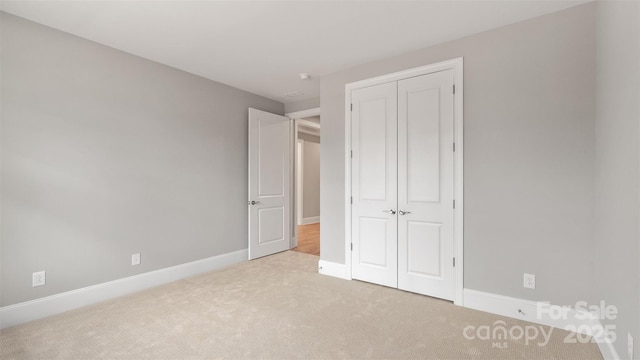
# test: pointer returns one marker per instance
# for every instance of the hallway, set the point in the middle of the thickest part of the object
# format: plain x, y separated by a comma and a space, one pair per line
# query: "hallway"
308, 239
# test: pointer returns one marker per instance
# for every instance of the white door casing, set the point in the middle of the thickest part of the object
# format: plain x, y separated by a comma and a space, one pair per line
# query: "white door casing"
299, 182
297, 118
425, 185
374, 189
269, 183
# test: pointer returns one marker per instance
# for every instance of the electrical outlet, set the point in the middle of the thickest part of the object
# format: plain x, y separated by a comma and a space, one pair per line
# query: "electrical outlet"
630, 346
38, 279
135, 259
529, 281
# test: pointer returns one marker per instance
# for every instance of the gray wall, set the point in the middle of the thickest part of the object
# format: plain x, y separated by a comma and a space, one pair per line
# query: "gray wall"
302, 105
529, 147
311, 176
105, 154
617, 237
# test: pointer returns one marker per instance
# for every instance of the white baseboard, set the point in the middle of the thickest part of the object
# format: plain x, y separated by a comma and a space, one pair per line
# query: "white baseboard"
542, 313
310, 220
608, 350
36, 309
333, 269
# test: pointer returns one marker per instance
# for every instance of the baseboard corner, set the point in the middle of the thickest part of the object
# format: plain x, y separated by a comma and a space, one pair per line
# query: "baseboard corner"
333, 269
607, 350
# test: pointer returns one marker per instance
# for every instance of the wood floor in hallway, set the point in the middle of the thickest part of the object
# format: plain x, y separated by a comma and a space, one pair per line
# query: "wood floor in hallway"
308, 239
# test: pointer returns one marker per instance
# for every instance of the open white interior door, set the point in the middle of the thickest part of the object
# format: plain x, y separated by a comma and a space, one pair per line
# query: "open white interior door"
269, 184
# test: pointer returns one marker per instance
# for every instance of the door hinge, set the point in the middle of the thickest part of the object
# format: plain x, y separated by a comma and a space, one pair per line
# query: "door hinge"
454, 262
351, 246
454, 204
454, 88
352, 199
454, 147
351, 107
352, 154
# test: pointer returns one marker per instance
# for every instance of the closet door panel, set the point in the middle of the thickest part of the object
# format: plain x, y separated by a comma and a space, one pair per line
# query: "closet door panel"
424, 238
422, 145
374, 184
425, 184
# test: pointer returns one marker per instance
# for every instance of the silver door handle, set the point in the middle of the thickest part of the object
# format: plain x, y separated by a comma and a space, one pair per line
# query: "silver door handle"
391, 211
402, 212
253, 202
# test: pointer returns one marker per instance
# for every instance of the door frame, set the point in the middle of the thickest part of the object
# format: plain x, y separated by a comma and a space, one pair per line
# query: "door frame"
297, 117
458, 234
299, 181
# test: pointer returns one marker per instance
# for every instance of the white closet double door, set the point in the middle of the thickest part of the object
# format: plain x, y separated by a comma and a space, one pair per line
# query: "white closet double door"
403, 184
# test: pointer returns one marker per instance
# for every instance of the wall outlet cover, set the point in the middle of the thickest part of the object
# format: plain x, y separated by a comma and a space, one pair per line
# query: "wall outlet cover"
135, 259
38, 279
529, 281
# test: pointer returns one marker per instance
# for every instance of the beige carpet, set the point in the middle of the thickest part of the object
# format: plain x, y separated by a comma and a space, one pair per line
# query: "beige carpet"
277, 307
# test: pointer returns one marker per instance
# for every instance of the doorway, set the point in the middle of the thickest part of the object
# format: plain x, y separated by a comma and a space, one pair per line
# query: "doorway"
307, 184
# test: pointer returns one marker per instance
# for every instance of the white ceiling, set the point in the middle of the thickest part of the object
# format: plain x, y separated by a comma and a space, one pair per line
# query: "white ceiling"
262, 46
